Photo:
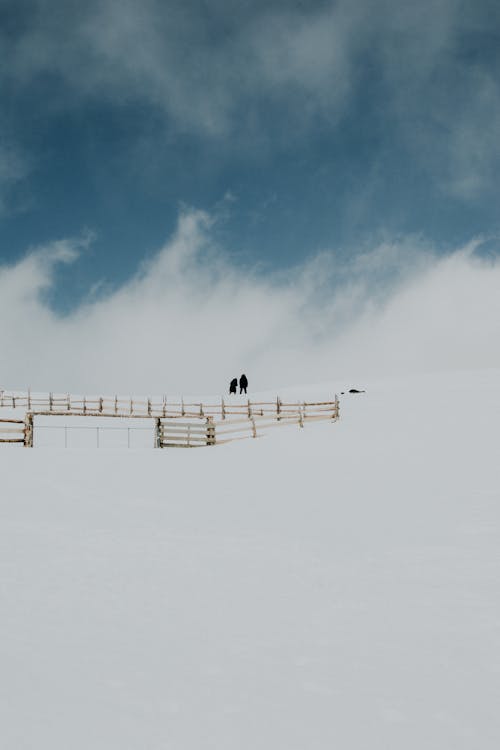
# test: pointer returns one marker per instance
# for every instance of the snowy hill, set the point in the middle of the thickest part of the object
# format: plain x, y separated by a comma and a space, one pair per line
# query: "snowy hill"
332, 587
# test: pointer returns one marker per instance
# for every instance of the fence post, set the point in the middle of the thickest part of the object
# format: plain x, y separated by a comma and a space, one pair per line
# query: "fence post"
116, 404
337, 408
254, 430
223, 408
164, 405
28, 431
249, 409
182, 407
157, 433
210, 431
278, 408
50, 401
85, 404
29, 399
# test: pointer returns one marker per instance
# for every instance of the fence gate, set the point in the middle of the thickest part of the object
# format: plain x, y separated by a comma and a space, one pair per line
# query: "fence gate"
15, 431
174, 434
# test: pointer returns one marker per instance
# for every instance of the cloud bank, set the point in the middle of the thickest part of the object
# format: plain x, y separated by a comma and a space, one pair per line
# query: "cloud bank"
190, 320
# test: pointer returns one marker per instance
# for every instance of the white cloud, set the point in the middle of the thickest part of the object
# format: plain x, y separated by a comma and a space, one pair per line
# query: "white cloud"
189, 320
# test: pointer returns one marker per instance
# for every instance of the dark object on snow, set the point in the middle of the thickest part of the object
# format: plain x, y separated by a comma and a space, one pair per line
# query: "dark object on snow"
355, 390
233, 385
243, 384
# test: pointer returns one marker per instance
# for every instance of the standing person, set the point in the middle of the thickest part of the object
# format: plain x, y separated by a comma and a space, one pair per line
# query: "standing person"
243, 384
233, 385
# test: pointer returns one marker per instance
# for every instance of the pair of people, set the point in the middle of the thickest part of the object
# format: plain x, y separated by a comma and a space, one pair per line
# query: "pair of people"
243, 384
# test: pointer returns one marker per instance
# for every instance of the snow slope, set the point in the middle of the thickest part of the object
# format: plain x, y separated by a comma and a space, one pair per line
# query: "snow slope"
332, 587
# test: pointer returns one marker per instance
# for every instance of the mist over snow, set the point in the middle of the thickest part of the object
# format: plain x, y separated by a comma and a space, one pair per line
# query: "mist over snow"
190, 319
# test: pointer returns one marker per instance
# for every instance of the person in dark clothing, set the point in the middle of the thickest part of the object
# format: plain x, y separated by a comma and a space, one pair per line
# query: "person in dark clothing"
233, 385
243, 384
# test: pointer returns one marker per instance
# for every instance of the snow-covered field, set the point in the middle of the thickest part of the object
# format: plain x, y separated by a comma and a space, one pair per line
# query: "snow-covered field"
332, 587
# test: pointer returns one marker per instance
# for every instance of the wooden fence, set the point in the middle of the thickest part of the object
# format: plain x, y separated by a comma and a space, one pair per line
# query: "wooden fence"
210, 424
16, 431
184, 434
135, 407
176, 434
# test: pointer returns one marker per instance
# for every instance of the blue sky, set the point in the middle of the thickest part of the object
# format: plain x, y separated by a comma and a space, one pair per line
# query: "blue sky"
300, 127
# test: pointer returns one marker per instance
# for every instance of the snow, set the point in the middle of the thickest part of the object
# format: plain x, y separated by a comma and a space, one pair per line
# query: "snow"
335, 586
